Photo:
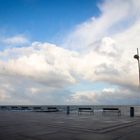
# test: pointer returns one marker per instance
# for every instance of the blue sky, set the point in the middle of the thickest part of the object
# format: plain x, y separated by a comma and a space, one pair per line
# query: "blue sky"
69, 51
44, 20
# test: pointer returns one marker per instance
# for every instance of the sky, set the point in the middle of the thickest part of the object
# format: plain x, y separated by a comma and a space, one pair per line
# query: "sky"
69, 52
44, 20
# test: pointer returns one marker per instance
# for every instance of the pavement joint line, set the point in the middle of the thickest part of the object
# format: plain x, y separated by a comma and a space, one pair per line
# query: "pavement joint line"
118, 127
122, 136
41, 134
28, 137
100, 130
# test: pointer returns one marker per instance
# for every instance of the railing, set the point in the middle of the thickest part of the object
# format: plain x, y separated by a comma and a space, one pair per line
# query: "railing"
73, 109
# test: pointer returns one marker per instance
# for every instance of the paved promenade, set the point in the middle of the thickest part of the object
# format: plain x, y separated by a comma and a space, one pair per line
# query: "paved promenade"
59, 126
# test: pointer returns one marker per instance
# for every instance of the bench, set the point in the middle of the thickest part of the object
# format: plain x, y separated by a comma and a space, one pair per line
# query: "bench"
49, 109
14, 108
112, 109
25, 108
85, 109
37, 108
52, 109
4, 108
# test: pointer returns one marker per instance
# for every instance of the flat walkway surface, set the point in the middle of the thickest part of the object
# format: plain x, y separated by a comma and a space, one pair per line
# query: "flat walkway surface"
59, 126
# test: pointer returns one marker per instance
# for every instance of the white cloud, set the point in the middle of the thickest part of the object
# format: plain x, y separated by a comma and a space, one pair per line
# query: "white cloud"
15, 40
111, 40
115, 17
113, 13
44, 63
105, 96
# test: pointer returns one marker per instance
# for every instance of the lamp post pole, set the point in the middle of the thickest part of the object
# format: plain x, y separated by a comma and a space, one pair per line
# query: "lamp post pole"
137, 57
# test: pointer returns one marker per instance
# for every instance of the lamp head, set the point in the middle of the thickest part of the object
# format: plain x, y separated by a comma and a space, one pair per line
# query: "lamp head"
136, 57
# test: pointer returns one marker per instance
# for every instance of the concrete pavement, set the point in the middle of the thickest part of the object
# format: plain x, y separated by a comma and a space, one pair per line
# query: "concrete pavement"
20, 125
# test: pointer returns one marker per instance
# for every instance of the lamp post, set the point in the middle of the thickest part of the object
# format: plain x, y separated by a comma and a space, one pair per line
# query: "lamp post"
136, 56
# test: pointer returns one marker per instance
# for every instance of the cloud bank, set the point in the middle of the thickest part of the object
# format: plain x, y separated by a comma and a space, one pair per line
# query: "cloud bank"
98, 50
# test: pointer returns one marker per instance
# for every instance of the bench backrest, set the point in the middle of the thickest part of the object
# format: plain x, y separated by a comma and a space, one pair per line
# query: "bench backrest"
37, 108
85, 108
110, 108
52, 108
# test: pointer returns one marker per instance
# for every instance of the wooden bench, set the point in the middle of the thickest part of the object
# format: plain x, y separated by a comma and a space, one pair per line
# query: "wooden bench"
85, 109
112, 109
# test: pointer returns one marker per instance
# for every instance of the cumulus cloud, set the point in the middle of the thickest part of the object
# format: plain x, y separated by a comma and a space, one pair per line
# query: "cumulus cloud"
42, 62
98, 50
36, 74
110, 41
